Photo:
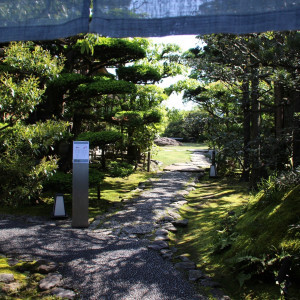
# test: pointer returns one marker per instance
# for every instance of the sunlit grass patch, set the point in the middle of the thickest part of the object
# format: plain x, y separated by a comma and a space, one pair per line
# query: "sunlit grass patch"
114, 190
176, 154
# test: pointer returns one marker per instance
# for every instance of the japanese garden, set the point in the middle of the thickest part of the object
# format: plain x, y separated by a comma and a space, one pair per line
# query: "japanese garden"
233, 235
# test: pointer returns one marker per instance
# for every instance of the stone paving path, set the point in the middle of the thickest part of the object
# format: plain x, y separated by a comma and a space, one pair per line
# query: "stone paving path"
113, 259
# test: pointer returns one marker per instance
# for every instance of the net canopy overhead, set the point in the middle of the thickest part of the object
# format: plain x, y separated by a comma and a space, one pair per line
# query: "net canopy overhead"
50, 19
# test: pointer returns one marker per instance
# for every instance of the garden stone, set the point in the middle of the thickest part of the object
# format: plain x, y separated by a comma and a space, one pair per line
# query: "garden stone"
12, 261
170, 227
162, 232
162, 238
190, 189
183, 193
7, 277
195, 275
11, 287
174, 214
167, 256
219, 294
45, 267
185, 265
209, 283
50, 281
63, 293
166, 219
181, 223
174, 249
184, 258
158, 245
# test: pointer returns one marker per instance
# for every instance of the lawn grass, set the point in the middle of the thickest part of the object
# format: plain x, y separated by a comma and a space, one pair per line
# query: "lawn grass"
227, 223
114, 190
176, 154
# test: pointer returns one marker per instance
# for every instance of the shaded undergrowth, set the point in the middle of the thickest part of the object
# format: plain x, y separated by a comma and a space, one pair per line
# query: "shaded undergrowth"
241, 240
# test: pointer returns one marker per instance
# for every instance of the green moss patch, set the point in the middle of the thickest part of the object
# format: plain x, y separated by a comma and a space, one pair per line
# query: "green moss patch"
239, 240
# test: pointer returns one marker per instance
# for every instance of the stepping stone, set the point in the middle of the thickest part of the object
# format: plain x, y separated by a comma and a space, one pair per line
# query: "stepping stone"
63, 293
185, 265
139, 229
167, 256
181, 223
162, 232
50, 281
183, 193
174, 214
7, 277
45, 267
209, 283
158, 245
184, 258
161, 238
166, 219
195, 275
11, 287
170, 227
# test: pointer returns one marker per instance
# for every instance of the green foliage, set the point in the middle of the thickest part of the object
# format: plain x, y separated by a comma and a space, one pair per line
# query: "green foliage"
27, 57
139, 74
274, 187
68, 80
101, 138
106, 85
130, 118
26, 151
187, 125
120, 169
25, 160
110, 51
18, 98
59, 182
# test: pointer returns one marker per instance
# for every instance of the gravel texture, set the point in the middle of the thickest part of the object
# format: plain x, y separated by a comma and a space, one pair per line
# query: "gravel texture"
111, 261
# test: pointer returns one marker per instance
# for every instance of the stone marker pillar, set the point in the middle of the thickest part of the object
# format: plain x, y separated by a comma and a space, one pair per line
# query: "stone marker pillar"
80, 190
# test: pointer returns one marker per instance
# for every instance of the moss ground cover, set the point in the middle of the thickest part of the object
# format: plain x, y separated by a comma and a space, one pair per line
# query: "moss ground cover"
26, 282
228, 227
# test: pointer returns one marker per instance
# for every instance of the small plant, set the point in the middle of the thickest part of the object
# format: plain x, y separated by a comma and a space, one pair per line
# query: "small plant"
120, 169
60, 182
227, 234
275, 185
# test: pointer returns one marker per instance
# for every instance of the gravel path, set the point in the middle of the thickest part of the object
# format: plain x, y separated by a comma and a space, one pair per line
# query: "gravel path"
110, 260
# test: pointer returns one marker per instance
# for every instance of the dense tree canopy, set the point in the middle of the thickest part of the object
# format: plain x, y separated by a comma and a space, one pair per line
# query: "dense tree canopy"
250, 83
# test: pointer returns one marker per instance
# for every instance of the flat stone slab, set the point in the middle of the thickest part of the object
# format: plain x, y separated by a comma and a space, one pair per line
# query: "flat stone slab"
7, 277
183, 168
209, 283
170, 227
161, 232
139, 229
181, 223
158, 245
45, 267
63, 293
195, 275
50, 281
185, 265
162, 238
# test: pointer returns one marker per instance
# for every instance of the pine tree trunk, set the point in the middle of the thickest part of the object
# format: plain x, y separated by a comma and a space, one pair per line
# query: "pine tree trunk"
255, 131
246, 130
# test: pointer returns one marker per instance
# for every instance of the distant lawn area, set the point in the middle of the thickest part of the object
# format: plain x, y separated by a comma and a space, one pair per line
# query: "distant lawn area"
169, 155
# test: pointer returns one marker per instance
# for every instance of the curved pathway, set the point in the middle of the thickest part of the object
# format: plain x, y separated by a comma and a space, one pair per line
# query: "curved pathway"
111, 260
